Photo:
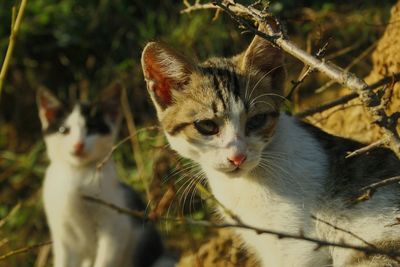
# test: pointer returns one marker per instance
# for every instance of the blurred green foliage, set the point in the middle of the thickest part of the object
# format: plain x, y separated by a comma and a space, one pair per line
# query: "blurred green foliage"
74, 46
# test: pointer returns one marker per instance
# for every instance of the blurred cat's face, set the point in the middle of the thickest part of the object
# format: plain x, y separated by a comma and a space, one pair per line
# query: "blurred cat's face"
78, 136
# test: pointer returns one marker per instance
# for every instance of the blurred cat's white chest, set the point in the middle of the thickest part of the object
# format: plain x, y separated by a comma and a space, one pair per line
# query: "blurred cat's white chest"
64, 203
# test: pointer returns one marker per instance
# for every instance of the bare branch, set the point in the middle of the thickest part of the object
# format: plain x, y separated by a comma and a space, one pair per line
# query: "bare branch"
352, 64
369, 99
344, 231
346, 98
370, 190
133, 213
303, 76
23, 250
137, 153
281, 235
367, 148
116, 146
15, 25
323, 107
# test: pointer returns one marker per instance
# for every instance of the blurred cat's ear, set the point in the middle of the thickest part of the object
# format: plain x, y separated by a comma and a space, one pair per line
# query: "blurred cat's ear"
164, 71
49, 106
262, 54
110, 100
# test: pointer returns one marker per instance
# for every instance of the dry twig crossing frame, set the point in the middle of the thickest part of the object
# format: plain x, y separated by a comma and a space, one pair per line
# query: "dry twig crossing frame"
370, 250
370, 100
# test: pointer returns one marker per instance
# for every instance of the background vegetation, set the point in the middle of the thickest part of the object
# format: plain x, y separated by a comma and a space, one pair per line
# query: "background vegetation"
76, 48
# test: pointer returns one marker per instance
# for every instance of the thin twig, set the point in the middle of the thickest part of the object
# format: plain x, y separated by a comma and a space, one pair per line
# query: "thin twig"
369, 99
134, 213
346, 98
116, 146
137, 153
303, 76
367, 148
351, 65
23, 250
323, 107
10, 214
344, 231
281, 235
370, 190
13, 37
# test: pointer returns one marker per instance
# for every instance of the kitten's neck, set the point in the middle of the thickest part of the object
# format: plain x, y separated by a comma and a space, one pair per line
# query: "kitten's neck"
90, 171
293, 167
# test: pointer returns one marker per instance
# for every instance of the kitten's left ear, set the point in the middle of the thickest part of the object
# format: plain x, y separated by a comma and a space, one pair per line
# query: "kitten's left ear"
49, 106
261, 55
164, 71
110, 101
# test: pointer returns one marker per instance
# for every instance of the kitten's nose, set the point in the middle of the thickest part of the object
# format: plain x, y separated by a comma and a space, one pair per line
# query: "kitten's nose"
78, 148
237, 159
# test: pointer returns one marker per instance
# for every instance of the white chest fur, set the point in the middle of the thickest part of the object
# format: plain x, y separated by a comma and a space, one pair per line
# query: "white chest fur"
81, 230
279, 198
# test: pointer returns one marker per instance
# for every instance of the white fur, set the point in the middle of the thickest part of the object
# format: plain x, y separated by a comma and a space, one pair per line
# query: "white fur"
279, 188
85, 234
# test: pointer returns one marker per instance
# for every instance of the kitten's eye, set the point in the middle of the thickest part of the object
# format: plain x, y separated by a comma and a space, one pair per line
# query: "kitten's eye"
256, 122
63, 130
206, 127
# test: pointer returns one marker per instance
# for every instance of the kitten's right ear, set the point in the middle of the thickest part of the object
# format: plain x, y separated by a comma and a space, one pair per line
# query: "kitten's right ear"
49, 106
164, 71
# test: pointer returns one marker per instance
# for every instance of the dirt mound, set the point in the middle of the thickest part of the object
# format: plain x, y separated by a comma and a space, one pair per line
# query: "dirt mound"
223, 250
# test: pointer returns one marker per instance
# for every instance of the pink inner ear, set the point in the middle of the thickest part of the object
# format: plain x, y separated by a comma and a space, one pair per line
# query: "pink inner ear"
50, 114
162, 85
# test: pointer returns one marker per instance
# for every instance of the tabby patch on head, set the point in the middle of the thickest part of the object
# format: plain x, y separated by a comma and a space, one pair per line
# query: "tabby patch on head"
82, 133
222, 112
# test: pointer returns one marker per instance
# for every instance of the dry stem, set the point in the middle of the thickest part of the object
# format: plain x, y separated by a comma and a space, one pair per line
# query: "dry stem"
370, 190
15, 25
281, 235
137, 153
346, 98
369, 99
23, 250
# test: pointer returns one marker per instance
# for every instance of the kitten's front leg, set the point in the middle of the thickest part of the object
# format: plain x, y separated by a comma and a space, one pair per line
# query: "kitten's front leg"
111, 250
64, 256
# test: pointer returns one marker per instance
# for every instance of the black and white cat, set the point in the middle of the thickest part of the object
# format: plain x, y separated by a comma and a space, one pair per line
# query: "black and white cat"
266, 167
83, 233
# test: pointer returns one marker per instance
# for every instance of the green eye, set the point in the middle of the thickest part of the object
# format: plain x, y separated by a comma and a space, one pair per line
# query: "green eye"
63, 130
256, 122
206, 127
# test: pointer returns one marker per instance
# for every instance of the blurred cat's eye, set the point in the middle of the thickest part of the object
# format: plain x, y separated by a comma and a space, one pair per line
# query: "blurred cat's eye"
63, 130
206, 127
256, 122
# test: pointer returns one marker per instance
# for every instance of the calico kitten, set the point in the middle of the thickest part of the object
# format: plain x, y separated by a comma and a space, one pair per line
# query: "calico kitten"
84, 233
268, 168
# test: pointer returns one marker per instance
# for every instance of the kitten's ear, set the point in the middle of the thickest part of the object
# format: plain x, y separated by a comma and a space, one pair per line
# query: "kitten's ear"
164, 71
49, 106
262, 56
110, 101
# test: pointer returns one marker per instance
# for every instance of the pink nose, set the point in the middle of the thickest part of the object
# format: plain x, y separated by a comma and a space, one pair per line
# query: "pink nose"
78, 148
237, 159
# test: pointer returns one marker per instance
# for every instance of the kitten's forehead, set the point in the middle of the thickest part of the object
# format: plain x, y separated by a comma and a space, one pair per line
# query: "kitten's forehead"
76, 118
228, 86
219, 90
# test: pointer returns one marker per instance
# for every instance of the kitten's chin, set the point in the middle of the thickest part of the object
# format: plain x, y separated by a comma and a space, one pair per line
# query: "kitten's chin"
81, 160
234, 172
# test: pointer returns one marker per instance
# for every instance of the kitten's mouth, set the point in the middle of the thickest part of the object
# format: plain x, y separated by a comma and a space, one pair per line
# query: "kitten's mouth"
235, 171
78, 155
